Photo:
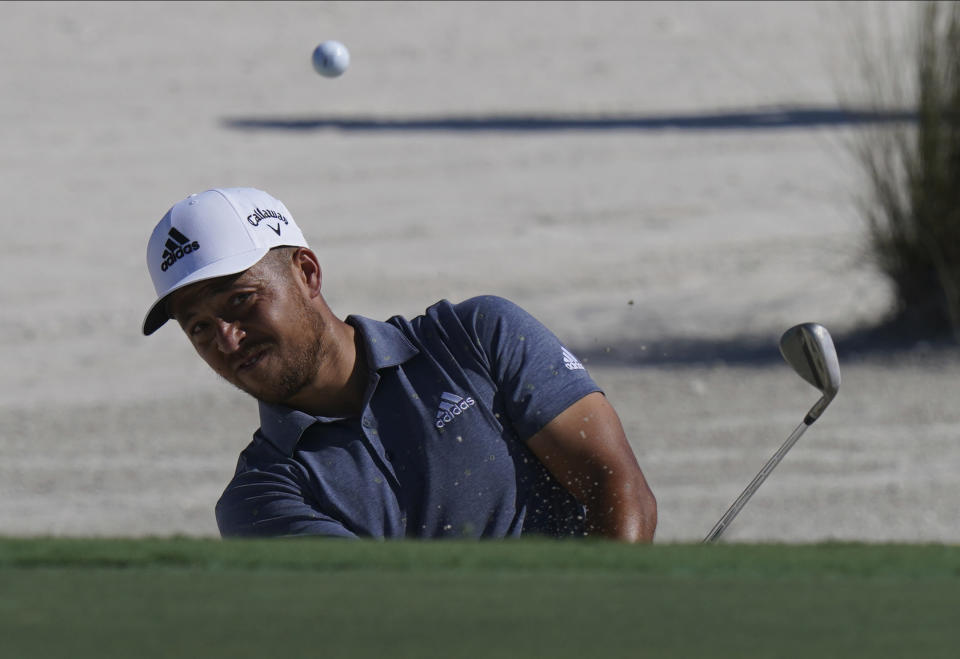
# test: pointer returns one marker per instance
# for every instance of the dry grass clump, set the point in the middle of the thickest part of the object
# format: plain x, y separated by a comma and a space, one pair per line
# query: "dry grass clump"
912, 196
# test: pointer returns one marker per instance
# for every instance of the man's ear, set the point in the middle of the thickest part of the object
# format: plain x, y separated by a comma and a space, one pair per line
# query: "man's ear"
307, 270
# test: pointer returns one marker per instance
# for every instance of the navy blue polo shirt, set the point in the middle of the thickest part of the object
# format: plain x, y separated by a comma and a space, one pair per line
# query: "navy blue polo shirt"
439, 449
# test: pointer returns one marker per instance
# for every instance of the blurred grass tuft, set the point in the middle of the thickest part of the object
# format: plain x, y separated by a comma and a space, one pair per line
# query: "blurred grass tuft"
911, 200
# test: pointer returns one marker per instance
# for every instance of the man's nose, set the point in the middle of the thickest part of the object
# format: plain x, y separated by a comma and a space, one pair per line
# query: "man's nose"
229, 336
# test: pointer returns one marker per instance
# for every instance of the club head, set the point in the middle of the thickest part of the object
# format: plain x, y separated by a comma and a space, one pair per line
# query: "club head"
809, 350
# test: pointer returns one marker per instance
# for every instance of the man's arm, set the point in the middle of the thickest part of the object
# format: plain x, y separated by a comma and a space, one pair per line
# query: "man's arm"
270, 503
586, 450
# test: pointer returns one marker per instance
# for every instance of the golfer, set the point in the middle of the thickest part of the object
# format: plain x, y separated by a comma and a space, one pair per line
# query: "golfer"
471, 420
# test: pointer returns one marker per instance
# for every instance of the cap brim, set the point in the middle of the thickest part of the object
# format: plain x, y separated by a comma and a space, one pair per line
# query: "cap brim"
158, 314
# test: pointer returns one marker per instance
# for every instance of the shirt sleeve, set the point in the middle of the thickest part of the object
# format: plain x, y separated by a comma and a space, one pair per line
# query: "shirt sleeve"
536, 374
270, 503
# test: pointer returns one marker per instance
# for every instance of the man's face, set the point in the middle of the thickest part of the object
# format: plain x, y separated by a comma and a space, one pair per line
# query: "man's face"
256, 330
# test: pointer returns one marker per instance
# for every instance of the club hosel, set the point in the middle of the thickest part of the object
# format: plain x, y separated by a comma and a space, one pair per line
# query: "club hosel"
817, 409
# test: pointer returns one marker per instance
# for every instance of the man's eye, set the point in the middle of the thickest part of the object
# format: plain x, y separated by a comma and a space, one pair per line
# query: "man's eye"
239, 299
198, 329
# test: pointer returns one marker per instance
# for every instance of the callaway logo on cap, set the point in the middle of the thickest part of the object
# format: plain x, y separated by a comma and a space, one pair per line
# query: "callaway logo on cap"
212, 234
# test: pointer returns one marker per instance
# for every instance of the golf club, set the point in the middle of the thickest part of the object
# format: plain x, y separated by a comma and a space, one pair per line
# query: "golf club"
809, 350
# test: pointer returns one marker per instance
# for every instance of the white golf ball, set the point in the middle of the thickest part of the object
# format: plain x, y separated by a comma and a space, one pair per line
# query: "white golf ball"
331, 58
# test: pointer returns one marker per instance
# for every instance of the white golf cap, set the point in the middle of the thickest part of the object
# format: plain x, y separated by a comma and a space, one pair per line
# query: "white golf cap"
212, 234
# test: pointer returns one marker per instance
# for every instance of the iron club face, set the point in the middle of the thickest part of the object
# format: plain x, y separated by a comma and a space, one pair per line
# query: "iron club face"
809, 350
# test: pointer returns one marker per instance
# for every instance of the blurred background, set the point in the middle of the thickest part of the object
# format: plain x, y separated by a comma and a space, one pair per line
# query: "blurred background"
668, 186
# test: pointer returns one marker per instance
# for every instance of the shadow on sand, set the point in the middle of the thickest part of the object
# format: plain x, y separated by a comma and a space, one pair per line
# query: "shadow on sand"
886, 340
757, 119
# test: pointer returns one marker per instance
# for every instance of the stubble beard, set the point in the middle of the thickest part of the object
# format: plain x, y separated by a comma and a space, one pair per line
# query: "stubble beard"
297, 364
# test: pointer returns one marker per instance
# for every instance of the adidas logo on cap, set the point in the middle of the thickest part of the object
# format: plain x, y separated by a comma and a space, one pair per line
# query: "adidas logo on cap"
452, 406
177, 246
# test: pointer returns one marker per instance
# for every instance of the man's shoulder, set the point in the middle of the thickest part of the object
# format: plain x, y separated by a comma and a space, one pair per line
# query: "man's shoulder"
471, 313
258, 454
474, 321
489, 304
276, 439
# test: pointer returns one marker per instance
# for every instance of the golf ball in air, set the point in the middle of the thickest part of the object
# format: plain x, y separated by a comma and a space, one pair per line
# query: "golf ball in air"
331, 58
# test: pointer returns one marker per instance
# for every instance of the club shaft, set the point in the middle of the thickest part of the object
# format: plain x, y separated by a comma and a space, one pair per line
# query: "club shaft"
756, 483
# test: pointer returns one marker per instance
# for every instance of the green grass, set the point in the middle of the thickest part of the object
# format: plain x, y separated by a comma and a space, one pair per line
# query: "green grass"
308, 598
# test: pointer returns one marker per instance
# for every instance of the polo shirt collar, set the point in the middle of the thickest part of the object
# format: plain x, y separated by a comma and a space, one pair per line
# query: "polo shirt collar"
386, 346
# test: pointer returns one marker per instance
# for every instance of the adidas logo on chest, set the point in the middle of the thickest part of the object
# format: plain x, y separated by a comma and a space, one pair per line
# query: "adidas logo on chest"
452, 406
